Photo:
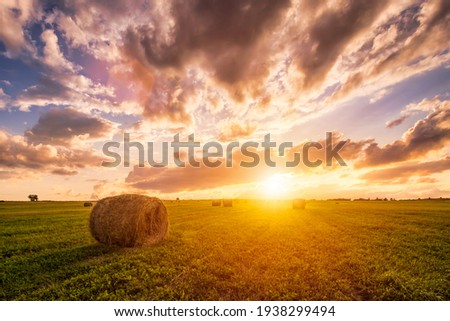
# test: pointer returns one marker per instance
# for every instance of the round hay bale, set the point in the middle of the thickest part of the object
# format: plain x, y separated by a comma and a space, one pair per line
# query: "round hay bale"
227, 203
87, 204
299, 204
216, 203
129, 220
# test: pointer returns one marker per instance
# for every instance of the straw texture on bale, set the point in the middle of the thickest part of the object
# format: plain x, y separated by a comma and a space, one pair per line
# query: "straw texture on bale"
216, 203
129, 220
227, 203
298, 204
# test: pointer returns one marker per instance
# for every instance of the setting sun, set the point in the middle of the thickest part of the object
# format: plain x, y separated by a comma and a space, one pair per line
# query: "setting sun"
277, 185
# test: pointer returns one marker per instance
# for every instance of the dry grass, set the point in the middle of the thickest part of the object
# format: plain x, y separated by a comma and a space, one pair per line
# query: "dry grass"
299, 204
227, 203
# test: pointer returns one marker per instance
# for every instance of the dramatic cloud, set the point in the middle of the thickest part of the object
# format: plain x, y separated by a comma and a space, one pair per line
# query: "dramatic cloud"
224, 70
351, 151
14, 16
177, 179
16, 153
410, 170
49, 91
78, 21
61, 126
167, 100
52, 54
174, 54
222, 36
434, 28
414, 41
425, 105
61, 83
66, 90
224, 31
333, 30
431, 133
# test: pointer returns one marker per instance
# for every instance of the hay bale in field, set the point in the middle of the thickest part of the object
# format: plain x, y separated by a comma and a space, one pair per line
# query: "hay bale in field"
298, 204
216, 202
227, 203
87, 204
129, 220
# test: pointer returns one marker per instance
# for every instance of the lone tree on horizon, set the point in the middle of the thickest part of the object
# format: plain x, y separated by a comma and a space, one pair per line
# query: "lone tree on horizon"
33, 197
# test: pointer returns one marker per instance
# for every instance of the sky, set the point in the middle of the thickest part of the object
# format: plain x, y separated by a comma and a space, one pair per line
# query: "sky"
76, 74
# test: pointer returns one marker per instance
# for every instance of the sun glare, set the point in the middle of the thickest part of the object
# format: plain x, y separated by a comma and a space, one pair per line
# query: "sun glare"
277, 186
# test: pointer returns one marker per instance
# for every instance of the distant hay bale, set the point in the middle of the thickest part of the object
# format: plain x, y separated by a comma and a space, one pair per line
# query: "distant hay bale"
87, 204
216, 203
227, 203
298, 204
129, 220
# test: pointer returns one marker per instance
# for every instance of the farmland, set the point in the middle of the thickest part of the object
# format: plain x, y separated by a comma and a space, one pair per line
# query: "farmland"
255, 250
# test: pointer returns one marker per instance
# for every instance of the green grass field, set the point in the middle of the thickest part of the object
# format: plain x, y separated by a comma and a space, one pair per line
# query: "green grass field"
252, 251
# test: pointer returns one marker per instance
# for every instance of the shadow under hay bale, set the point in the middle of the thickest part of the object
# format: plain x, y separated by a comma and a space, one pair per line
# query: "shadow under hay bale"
87, 204
298, 204
227, 203
129, 220
216, 203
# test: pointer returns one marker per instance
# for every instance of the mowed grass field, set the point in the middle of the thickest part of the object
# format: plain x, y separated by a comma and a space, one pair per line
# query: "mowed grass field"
252, 251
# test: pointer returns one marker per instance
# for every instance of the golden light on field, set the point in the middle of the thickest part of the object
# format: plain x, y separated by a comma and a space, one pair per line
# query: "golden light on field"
277, 186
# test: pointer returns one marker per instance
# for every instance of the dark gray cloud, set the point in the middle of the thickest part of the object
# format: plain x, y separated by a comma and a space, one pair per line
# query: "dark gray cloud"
222, 36
47, 89
60, 126
222, 30
331, 32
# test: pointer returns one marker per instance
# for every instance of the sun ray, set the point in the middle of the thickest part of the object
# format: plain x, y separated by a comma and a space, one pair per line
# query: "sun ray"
276, 186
